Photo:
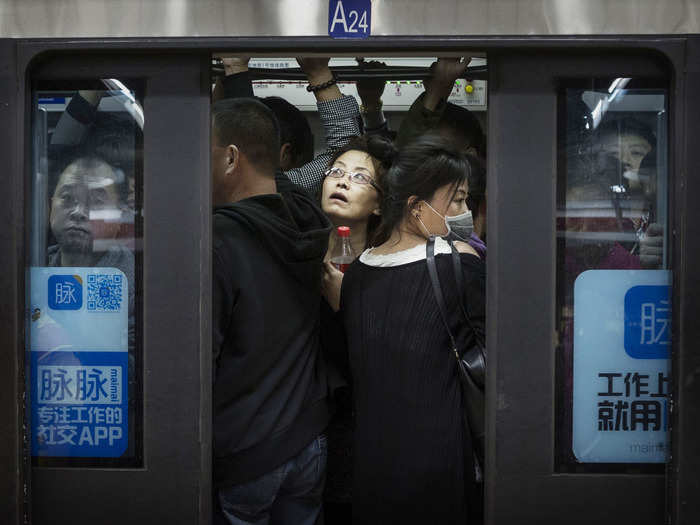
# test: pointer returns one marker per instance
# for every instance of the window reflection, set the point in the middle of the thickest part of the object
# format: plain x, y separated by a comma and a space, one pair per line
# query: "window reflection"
84, 285
611, 230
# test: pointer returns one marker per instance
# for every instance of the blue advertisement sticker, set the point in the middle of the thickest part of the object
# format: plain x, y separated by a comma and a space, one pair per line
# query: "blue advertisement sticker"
648, 322
621, 369
79, 404
79, 309
65, 292
79, 362
349, 18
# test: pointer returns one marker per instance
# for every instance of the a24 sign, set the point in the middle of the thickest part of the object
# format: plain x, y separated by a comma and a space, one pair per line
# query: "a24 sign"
349, 18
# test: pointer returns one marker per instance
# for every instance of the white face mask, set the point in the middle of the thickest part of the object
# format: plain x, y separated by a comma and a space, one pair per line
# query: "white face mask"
459, 227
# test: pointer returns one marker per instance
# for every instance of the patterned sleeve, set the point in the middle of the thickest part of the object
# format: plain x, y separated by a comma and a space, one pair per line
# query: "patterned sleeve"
341, 121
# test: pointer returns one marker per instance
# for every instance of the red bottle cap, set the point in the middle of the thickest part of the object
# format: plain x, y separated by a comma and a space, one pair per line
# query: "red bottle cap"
343, 231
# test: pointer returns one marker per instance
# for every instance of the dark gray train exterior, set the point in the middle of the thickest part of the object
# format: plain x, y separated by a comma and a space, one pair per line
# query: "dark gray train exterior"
169, 45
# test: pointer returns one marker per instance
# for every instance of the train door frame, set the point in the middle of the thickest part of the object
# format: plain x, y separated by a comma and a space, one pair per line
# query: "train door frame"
176, 305
526, 96
682, 53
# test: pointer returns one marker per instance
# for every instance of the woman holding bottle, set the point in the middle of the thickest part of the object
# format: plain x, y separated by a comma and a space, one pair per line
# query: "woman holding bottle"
351, 198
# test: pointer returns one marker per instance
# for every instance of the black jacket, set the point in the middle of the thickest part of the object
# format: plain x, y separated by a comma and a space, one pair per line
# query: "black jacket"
270, 386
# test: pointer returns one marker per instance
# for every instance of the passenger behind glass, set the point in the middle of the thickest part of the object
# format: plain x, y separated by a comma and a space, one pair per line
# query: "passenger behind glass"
111, 136
86, 211
85, 216
607, 220
610, 201
621, 146
413, 461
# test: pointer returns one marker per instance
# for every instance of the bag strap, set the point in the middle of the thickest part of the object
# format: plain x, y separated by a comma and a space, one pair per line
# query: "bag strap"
457, 267
437, 290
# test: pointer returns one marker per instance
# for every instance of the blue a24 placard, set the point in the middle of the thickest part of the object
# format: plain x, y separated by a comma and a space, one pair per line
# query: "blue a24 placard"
349, 18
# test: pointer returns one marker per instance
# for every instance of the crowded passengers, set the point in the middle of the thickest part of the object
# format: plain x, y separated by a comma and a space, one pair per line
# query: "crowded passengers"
331, 386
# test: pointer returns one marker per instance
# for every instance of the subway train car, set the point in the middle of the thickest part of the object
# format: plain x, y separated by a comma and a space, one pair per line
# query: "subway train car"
592, 156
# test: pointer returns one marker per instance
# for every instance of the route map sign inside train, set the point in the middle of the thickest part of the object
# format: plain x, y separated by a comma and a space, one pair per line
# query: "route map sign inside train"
79, 362
622, 338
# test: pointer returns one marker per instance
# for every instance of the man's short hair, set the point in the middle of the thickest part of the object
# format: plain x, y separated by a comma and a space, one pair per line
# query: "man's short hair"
84, 165
294, 129
251, 126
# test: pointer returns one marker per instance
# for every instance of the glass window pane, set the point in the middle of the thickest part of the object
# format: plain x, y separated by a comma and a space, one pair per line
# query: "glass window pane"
84, 280
613, 282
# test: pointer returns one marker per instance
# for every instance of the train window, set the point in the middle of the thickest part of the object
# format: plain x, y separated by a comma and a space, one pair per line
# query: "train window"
84, 280
613, 282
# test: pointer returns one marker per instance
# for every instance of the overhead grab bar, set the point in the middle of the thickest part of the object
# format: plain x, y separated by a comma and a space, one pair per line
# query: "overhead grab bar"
352, 73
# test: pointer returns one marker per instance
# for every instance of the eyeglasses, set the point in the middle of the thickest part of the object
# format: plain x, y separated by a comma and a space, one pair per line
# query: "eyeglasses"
356, 178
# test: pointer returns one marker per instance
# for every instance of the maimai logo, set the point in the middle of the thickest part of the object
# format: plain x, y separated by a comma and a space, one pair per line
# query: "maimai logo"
65, 292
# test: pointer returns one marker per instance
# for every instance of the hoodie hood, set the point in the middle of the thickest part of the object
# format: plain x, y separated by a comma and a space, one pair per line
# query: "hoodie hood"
290, 225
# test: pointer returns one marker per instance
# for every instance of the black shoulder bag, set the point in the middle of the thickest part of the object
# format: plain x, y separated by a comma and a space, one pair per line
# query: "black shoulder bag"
471, 364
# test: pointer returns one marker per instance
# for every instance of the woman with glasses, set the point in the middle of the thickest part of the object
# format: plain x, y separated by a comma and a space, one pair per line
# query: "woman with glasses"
351, 196
351, 191
412, 459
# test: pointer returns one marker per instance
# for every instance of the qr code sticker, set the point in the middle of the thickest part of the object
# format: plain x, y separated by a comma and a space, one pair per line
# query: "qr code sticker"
104, 293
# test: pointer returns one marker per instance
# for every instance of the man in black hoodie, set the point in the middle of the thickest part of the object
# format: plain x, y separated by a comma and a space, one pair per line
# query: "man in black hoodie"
270, 391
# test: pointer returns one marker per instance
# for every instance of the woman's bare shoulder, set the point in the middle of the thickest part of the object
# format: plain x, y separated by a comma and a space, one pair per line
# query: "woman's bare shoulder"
463, 247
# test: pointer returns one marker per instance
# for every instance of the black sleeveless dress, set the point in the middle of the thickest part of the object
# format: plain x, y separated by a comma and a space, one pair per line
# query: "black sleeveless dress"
413, 463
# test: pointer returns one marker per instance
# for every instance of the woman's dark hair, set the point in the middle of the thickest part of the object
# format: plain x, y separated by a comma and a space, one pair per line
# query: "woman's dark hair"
382, 153
421, 168
380, 148
627, 126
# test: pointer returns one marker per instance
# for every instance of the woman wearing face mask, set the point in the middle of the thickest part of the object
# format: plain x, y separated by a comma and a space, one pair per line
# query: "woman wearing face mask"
413, 462
351, 196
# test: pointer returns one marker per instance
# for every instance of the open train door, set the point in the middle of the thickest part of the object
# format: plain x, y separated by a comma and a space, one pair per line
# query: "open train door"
591, 275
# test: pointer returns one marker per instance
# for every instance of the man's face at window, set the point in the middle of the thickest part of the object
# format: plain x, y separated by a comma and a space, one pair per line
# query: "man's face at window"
84, 207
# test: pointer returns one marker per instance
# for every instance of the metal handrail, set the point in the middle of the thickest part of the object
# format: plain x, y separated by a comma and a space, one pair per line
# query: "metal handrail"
353, 73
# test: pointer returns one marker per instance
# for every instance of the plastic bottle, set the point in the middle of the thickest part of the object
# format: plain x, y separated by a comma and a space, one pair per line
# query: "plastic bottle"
342, 254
